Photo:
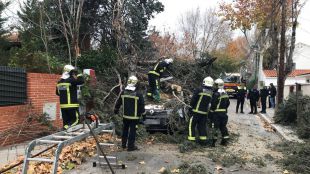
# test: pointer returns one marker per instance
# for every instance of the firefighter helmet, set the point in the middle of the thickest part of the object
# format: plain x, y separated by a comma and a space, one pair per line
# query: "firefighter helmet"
169, 61
68, 68
219, 83
132, 80
208, 81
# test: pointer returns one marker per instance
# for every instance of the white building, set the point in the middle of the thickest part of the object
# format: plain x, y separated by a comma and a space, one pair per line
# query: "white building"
300, 74
296, 76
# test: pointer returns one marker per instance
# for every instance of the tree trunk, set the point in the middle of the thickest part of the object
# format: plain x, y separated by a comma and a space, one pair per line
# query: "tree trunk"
274, 36
281, 69
289, 64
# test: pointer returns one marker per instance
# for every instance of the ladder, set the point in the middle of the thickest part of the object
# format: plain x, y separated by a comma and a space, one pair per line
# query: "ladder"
60, 140
113, 160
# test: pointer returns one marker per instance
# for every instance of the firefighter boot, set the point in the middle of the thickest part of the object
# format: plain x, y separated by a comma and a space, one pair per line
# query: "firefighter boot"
224, 142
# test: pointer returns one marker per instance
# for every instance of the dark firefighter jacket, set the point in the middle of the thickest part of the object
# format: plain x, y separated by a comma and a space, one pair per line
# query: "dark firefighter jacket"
253, 95
159, 68
241, 92
67, 91
201, 100
220, 102
133, 104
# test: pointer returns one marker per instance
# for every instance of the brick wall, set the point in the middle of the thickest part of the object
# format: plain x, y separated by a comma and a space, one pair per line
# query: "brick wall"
40, 91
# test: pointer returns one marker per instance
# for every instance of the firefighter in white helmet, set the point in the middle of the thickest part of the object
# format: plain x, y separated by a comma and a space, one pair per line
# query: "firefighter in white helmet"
218, 112
67, 91
153, 77
133, 109
199, 111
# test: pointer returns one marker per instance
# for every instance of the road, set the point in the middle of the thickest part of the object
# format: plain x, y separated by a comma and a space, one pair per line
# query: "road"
251, 150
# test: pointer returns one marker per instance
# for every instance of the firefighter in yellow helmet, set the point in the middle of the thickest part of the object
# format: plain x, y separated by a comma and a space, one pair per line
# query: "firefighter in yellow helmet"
133, 109
218, 111
199, 111
67, 91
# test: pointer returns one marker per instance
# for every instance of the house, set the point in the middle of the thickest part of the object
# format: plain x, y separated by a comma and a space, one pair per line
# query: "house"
300, 73
296, 76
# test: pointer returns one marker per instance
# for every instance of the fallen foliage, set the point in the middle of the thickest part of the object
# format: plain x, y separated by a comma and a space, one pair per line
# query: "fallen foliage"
296, 156
70, 156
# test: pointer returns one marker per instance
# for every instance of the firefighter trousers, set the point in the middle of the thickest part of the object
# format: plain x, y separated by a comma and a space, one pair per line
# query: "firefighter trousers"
70, 117
153, 90
199, 121
129, 132
219, 121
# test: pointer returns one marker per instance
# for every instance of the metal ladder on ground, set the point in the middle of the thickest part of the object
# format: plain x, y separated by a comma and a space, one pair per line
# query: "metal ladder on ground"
113, 160
60, 140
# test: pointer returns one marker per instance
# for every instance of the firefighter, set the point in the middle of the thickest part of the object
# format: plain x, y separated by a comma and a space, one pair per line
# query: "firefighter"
133, 109
199, 111
263, 98
241, 93
218, 112
253, 96
153, 77
67, 91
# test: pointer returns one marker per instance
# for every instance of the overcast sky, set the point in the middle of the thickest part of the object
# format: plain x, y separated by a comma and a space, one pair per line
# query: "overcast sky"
168, 20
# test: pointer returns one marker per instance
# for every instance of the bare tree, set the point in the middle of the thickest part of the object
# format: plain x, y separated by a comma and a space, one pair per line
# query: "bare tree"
71, 23
205, 31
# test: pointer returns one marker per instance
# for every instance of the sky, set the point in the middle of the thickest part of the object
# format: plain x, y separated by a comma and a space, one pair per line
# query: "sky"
168, 20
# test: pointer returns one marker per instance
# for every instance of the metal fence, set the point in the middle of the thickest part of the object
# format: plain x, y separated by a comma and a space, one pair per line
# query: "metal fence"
13, 86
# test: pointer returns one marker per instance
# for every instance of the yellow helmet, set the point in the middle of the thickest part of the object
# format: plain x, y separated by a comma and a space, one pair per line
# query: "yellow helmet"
132, 80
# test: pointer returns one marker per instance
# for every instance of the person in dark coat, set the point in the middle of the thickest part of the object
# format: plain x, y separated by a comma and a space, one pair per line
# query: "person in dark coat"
241, 94
253, 96
66, 89
273, 94
133, 108
263, 98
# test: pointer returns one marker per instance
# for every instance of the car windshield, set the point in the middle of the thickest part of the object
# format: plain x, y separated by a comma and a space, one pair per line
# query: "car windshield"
231, 79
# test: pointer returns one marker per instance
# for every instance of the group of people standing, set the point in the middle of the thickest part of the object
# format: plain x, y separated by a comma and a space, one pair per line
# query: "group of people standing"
209, 104
254, 96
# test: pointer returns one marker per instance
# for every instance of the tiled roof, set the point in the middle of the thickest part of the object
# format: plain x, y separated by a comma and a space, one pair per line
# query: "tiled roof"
294, 73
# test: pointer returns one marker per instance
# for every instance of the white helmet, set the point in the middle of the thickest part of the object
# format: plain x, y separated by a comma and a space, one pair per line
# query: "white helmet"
132, 80
208, 81
131, 83
168, 61
219, 83
68, 68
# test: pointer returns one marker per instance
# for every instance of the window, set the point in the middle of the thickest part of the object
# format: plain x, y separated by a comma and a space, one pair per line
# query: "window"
13, 86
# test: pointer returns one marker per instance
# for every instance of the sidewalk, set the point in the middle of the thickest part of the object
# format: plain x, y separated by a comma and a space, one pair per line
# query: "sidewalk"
14, 152
284, 131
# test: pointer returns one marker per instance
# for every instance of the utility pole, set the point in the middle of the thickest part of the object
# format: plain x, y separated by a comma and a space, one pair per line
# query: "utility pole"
281, 69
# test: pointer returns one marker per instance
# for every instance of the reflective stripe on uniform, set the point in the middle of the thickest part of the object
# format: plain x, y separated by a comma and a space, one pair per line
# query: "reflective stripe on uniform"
198, 103
190, 135
226, 137
76, 119
67, 86
218, 105
149, 94
203, 137
154, 72
135, 116
69, 105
